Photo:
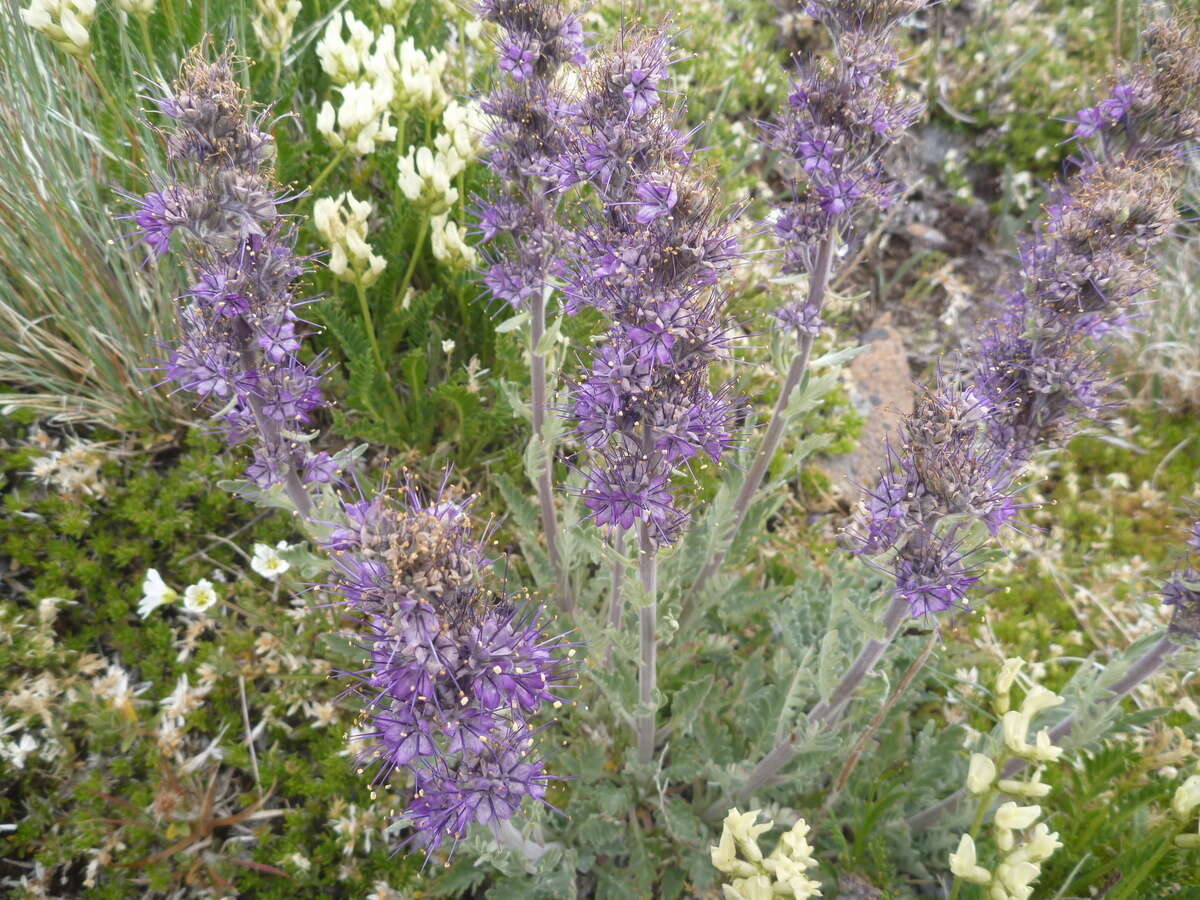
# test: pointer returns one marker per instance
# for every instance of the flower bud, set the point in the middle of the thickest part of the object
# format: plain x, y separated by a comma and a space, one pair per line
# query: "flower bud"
1004, 682
1034, 790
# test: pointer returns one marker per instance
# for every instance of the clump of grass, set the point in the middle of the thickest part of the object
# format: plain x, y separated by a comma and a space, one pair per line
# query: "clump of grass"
78, 317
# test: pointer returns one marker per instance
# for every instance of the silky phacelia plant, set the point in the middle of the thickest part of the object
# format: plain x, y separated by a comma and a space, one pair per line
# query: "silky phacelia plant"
846, 110
844, 114
524, 138
1039, 371
239, 328
454, 668
650, 258
519, 222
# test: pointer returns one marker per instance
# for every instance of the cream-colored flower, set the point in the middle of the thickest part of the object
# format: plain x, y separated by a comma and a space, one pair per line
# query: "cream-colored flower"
1016, 730
361, 122
1010, 815
274, 23
448, 244
343, 223
426, 179
1187, 797
1043, 748
1033, 790
980, 773
963, 863
344, 59
65, 22
1038, 699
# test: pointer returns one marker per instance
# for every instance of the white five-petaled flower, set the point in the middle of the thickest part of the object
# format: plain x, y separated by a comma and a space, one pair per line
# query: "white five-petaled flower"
155, 593
267, 562
199, 597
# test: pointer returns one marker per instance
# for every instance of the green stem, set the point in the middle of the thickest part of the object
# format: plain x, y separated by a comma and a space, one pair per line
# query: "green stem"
984, 802
90, 69
413, 256
148, 45
320, 179
369, 324
1126, 886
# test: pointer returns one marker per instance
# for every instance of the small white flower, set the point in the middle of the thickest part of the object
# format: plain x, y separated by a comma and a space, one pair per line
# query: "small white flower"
268, 563
448, 346
199, 597
155, 593
18, 751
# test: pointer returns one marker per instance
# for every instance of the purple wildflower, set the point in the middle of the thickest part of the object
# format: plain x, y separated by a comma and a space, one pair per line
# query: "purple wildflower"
1037, 372
238, 342
842, 118
454, 670
650, 261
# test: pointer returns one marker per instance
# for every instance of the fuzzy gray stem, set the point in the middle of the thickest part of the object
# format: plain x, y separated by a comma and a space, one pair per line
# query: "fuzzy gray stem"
827, 710
818, 285
545, 487
1149, 663
292, 484
616, 604
648, 661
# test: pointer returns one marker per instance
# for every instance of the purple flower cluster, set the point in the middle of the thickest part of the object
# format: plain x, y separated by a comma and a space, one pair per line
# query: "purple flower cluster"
239, 331
453, 672
649, 256
536, 39
1038, 370
843, 115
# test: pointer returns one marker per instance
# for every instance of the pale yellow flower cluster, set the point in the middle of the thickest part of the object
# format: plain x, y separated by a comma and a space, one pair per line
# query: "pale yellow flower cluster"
1023, 842
753, 876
